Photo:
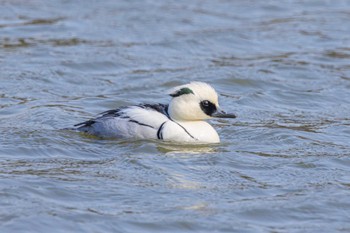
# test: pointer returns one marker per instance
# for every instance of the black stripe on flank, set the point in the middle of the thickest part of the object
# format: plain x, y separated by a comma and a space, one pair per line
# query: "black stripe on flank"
85, 123
159, 132
139, 123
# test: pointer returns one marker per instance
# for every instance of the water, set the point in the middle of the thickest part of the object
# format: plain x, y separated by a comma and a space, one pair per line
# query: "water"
282, 66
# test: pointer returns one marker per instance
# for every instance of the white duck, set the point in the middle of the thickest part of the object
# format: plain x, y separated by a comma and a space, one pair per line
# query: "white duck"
180, 121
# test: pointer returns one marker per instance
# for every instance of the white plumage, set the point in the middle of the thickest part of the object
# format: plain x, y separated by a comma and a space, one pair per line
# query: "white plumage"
180, 121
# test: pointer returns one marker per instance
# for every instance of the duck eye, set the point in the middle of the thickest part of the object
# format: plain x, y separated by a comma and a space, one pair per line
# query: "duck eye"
208, 107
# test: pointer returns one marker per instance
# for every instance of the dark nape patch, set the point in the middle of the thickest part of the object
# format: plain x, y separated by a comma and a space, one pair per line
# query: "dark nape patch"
208, 107
182, 91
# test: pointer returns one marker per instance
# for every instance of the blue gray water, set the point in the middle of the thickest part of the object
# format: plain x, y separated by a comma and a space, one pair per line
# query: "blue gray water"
282, 66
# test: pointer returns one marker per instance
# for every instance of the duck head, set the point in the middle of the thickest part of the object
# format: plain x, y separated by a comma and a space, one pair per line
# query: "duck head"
194, 102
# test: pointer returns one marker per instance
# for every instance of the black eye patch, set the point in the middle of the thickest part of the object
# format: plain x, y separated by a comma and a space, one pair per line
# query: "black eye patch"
208, 107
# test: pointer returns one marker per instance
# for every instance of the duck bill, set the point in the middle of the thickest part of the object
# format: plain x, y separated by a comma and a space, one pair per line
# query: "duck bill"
222, 114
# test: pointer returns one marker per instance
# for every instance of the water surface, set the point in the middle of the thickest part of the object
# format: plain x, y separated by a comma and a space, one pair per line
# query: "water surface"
282, 66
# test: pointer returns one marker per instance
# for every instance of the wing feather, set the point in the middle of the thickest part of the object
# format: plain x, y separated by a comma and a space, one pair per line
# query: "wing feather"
133, 121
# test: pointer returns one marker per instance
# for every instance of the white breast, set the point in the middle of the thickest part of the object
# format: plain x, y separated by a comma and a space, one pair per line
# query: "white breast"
190, 131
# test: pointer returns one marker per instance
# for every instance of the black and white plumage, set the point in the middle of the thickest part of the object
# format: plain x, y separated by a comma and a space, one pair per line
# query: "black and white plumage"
181, 121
